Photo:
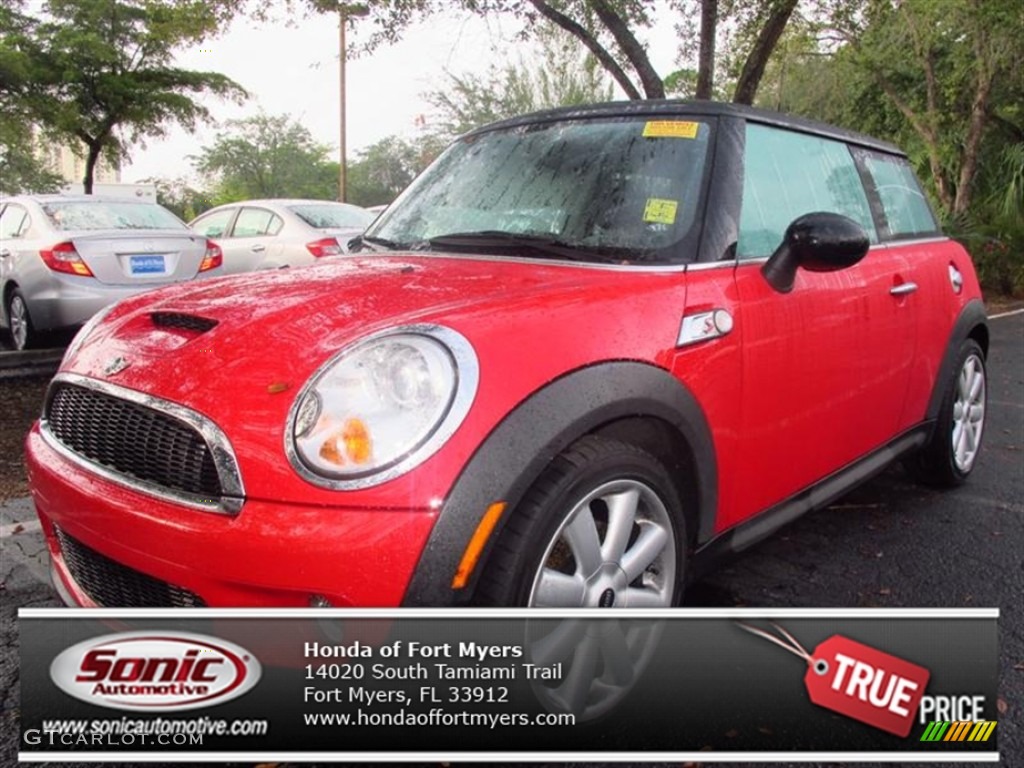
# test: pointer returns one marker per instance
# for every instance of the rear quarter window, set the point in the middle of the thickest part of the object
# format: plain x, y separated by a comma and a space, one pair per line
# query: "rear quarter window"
905, 208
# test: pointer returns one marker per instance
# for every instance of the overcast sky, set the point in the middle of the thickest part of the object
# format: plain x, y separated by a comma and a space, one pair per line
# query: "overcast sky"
294, 71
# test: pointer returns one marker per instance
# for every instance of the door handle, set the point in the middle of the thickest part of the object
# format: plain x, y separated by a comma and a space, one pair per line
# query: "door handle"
903, 289
257, 248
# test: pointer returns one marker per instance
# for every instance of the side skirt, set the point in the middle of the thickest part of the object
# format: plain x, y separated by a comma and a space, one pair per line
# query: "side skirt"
816, 496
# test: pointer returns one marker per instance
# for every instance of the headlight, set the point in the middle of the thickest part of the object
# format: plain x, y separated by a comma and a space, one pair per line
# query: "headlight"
381, 407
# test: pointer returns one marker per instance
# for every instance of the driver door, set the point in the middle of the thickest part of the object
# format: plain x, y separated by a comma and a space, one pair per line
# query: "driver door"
826, 366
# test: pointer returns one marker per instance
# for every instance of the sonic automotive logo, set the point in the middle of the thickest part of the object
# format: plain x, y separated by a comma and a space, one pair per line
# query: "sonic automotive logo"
159, 671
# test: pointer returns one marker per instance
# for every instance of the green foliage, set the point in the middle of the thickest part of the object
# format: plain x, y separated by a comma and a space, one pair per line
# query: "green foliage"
943, 80
101, 72
384, 169
20, 169
266, 156
180, 197
556, 76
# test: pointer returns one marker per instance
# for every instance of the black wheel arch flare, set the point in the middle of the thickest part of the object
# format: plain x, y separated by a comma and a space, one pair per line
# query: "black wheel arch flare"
971, 324
629, 400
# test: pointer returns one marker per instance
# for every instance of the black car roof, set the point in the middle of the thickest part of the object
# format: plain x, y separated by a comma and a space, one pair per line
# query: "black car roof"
658, 107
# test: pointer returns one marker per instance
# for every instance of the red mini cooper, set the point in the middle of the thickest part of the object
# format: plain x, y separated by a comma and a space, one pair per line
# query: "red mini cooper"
586, 350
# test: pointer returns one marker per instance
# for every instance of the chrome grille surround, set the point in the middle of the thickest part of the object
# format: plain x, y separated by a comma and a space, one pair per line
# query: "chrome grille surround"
232, 491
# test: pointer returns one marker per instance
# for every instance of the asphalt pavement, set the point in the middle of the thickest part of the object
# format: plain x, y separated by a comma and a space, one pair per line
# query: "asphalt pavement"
890, 543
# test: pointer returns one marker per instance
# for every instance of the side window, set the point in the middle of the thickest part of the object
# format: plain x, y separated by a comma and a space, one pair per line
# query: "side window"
906, 209
213, 224
788, 174
254, 222
13, 222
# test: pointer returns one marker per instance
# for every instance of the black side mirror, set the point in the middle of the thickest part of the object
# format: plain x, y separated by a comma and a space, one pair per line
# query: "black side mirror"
818, 242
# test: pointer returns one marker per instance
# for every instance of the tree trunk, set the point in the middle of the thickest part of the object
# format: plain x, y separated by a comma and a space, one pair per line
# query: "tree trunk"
706, 57
972, 144
91, 159
593, 45
753, 68
654, 86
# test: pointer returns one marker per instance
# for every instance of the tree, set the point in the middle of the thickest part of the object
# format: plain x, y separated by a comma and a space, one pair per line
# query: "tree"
941, 65
611, 30
267, 156
20, 169
384, 169
560, 77
943, 80
180, 197
100, 72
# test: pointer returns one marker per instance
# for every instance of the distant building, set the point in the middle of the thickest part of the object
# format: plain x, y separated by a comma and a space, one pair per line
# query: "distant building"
69, 163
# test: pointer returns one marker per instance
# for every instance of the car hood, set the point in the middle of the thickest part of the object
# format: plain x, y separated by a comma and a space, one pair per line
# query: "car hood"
239, 350
299, 316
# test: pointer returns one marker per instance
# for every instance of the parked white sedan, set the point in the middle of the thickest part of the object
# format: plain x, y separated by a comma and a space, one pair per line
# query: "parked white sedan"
64, 258
268, 234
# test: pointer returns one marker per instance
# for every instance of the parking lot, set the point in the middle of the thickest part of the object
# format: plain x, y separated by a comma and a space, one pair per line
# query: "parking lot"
891, 543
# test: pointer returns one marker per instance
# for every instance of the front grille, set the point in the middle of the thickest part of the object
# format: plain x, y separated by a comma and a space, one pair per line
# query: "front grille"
183, 321
110, 584
133, 440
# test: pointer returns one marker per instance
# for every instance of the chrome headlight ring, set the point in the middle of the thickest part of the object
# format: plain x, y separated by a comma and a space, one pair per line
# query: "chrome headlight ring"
407, 389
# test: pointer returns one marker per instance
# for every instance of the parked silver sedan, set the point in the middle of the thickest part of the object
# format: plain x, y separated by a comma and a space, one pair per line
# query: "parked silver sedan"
268, 234
64, 258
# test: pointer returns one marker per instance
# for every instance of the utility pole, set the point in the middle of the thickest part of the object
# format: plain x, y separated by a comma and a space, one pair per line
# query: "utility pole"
344, 11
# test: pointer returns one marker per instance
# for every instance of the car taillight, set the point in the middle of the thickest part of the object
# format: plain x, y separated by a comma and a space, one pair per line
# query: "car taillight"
64, 258
213, 257
327, 247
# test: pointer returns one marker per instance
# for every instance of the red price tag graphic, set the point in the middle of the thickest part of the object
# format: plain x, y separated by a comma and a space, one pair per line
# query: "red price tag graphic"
859, 681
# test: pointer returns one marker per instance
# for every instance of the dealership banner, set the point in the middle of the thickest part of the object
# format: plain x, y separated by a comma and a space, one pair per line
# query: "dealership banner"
195, 685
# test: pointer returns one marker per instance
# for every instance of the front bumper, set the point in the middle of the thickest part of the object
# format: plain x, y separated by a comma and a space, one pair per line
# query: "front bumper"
271, 554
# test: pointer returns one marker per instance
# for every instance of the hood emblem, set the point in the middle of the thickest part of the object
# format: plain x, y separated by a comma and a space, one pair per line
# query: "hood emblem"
115, 365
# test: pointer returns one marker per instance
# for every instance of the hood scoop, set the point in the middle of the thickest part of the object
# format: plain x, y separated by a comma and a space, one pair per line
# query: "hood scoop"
182, 321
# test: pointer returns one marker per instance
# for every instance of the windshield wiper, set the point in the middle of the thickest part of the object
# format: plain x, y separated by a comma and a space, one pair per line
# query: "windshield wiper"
543, 245
357, 242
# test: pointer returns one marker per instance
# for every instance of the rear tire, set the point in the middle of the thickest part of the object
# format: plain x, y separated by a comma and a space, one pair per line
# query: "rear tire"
951, 453
601, 527
23, 333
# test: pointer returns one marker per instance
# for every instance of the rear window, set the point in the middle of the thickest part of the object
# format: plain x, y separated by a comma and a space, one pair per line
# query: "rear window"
89, 215
337, 216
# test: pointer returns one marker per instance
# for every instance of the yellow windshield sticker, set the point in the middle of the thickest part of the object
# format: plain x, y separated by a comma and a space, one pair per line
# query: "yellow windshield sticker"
658, 211
671, 129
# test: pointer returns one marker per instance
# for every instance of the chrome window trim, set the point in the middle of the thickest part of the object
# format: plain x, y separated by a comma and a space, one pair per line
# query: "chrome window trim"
895, 242
681, 267
467, 373
224, 460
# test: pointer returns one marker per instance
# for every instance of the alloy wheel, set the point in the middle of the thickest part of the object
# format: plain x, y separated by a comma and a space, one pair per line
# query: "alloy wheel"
18, 315
968, 413
615, 548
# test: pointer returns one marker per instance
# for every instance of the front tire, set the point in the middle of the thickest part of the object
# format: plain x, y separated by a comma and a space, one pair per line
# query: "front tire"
950, 455
601, 527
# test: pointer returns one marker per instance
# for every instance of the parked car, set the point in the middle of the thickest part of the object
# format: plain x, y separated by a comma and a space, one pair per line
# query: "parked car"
269, 234
64, 258
584, 354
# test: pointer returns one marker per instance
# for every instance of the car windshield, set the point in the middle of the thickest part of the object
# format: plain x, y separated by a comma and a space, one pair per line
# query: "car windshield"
616, 189
333, 215
101, 214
